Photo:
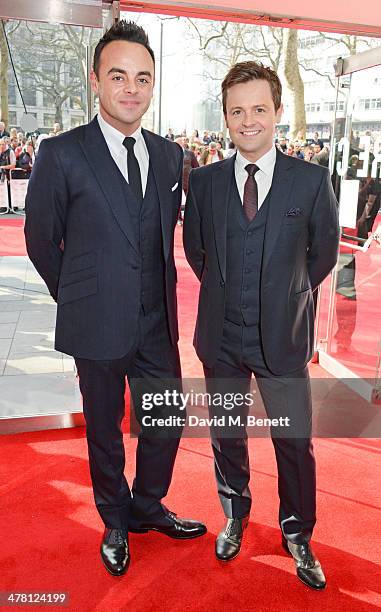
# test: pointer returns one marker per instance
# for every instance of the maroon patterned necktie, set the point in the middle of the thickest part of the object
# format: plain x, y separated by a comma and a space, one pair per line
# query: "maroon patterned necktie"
250, 193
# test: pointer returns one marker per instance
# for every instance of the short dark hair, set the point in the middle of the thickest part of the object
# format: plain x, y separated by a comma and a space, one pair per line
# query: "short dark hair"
250, 71
122, 30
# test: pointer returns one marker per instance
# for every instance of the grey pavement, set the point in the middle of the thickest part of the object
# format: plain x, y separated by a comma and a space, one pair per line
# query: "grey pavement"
35, 380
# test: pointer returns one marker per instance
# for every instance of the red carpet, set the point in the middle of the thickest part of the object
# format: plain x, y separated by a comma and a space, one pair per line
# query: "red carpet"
12, 236
51, 531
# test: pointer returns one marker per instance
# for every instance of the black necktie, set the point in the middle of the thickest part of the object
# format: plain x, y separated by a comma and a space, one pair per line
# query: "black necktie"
250, 193
134, 178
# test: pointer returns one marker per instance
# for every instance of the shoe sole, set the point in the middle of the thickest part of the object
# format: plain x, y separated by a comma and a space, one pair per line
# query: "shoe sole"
188, 537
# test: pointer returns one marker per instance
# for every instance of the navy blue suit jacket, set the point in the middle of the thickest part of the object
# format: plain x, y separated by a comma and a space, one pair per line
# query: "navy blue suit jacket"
300, 249
79, 237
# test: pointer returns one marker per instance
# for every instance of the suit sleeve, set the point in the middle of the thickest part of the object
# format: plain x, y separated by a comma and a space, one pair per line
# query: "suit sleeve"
324, 233
179, 180
192, 236
46, 207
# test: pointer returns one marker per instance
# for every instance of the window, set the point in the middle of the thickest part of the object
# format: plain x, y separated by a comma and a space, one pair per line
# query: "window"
76, 102
11, 89
313, 107
48, 120
76, 121
29, 90
12, 118
370, 103
329, 106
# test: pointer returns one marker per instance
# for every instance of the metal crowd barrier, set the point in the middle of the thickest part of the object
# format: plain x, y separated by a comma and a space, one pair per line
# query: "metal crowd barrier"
12, 199
4, 199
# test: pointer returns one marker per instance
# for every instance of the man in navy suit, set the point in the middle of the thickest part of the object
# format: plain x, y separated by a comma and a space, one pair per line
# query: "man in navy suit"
261, 233
101, 208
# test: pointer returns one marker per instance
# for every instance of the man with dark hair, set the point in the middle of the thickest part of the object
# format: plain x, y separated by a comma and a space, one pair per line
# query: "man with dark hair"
261, 233
101, 209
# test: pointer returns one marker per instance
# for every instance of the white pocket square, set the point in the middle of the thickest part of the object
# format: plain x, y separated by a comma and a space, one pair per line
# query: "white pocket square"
174, 187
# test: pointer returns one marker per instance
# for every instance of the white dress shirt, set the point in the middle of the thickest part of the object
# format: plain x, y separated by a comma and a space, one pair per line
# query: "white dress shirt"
263, 177
114, 140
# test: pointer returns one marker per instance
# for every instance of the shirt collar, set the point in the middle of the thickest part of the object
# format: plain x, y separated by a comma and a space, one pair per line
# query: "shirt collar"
113, 136
265, 163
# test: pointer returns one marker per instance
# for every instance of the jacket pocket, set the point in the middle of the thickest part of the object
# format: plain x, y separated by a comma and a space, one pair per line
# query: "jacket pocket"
77, 290
83, 261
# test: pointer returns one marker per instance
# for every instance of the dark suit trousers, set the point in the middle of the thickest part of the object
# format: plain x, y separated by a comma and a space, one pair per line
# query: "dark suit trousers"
103, 385
239, 357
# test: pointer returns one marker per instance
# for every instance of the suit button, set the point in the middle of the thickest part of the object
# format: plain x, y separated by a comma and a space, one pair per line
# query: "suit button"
247, 270
222, 284
249, 252
134, 267
249, 233
244, 306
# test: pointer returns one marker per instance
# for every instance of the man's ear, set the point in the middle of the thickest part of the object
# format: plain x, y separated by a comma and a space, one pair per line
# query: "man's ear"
279, 113
94, 82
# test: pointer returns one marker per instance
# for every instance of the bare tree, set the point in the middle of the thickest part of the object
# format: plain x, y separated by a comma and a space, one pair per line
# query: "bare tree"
295, 84
4, 62
57, 65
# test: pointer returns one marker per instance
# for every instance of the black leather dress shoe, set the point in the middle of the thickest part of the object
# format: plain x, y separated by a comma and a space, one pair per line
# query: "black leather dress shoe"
115, 552
228, 543
173, 526
308, 568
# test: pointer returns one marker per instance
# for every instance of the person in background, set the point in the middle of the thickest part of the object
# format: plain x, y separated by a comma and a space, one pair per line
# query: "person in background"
317, 141
220, 149
170, 135
3, 131
25, 160
7, 163
195, 138
231, 149
189, 162
282, 144
308, 153
13, 143
291, 149
321, 155
206, 139
210, 155
298, 150
221, 139
20, 147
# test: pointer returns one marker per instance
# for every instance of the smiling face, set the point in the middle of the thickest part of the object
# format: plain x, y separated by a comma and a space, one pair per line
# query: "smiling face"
124, 84
251, 117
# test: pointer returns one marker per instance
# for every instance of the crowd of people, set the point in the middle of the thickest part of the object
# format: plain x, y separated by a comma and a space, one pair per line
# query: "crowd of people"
18, 151
211, 147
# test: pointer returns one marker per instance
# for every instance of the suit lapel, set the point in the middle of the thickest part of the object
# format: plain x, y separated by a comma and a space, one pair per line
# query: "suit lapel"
159, 165
222, 176
278, 204
107, 174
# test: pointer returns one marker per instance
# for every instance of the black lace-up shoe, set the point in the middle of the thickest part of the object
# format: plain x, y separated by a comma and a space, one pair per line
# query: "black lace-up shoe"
114, 551
228, 543
173, 526
308, 568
